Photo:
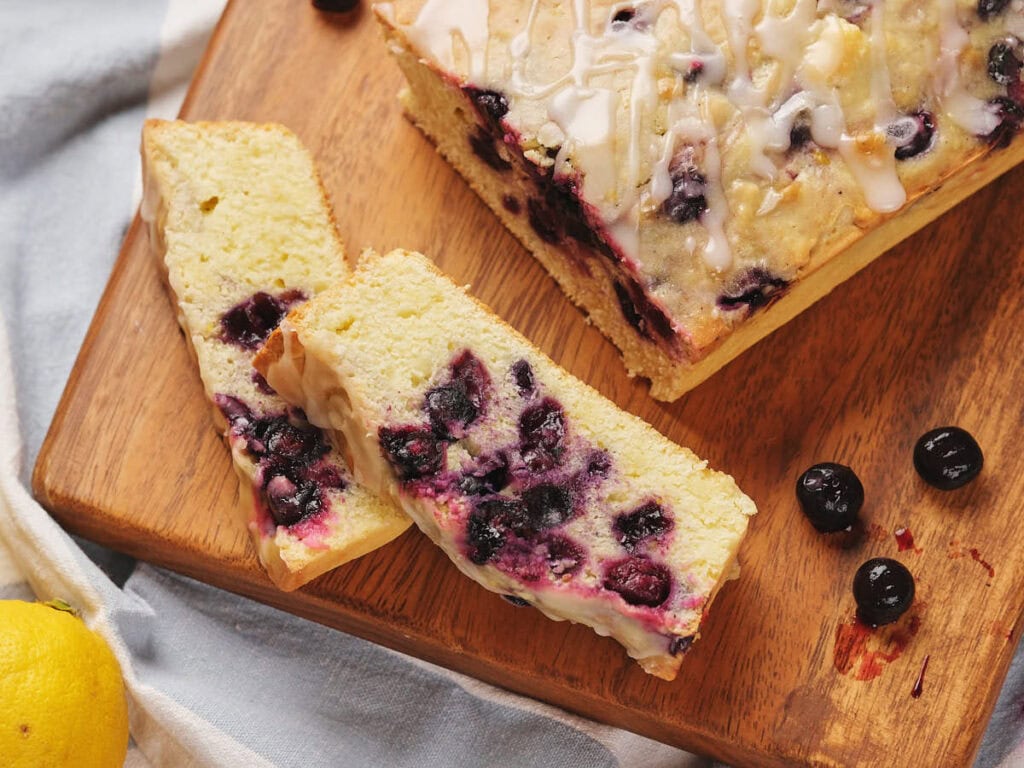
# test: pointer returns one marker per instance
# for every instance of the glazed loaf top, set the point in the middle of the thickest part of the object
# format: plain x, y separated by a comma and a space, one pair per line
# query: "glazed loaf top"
724, 148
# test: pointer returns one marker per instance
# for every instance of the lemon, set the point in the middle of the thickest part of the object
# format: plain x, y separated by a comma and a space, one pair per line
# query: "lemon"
62, 700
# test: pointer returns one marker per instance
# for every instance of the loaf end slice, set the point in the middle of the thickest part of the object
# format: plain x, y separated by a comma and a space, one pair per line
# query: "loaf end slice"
242, 229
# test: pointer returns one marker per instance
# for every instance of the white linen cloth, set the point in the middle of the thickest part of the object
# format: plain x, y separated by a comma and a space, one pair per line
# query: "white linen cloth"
213, 679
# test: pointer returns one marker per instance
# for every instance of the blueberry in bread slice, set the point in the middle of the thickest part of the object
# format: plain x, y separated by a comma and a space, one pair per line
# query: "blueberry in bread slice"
243, 231
693, 175
534, 485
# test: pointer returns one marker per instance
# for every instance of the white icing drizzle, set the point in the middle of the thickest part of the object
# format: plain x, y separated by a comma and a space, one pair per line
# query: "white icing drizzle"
739, 15
804, 48
785, 37
881, 88
702, 48
443, 24
717, 252
875, 172
969, 112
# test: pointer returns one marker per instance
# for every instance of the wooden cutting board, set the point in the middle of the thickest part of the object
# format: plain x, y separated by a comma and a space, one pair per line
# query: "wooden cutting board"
930, 334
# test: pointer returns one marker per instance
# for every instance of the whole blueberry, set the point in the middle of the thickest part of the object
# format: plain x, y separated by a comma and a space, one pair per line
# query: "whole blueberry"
414, 452
522, 373
948, 457
454, 405
1003, 64
335, 6
912, 134
292, 499
686, 202
492, 104
542, 434
883, 589
649, 520
483, 538
639, 581
450, 409
831, 496
989, 8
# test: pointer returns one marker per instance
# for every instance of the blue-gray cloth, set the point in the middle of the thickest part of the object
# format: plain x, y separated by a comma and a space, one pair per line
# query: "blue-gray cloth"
74, 85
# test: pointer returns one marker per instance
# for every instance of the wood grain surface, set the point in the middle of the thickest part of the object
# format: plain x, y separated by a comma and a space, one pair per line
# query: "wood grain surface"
930, 334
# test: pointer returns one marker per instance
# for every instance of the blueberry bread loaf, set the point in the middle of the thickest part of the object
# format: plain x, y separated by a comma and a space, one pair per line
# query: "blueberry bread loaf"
694, 174
535, 486
243, 231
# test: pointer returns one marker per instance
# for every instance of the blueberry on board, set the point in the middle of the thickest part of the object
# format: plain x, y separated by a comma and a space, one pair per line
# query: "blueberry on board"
335, 6
948, 457
883, 589
831, 496
639, 581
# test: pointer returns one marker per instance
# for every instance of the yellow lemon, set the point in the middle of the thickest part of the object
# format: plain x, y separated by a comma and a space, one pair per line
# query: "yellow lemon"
62, 700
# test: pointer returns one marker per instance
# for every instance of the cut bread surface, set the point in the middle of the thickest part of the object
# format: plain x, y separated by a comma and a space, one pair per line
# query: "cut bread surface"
533, 484
691, 199
243, 231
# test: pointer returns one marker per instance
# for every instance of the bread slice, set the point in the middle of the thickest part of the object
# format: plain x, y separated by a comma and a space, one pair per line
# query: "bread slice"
535, 485
695, 175
243, 231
